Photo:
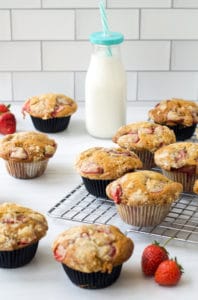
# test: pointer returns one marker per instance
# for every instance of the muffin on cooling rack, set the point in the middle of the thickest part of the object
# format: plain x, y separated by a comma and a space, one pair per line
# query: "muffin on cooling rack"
143, 198
21, 228
179, 162
98, 166
92, 255
27, 153
144, 138
50, 112
178, 114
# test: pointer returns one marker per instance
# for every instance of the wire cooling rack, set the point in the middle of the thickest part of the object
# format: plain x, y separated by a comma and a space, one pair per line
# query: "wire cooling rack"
181, 223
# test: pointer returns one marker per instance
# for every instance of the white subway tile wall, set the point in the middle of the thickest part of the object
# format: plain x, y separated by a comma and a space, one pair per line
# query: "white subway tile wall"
44, 47
5, 32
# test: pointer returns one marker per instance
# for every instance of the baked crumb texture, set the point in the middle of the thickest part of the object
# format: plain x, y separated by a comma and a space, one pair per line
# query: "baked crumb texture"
20, 226
181, 156
92, 248
143, 188
106, 163
175, 111
27, 147
49, 106
143, 136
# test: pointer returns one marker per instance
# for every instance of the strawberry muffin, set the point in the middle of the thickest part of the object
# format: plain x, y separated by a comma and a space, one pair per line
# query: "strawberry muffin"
27, 153
98, 166
179, 115
144, 138
21, 228
50, 112
92, 255
179, 162
143, 198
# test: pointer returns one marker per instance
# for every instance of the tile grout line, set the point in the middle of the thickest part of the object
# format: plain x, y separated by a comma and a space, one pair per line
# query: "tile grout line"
171, 53
11, 73
137, 87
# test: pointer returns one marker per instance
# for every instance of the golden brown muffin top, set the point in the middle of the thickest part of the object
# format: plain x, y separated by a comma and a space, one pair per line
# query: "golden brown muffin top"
49, 106
143, 188
143, 136
92, 248
27, 147
175, 111
195, 187
20, 226
106, 163
178, 156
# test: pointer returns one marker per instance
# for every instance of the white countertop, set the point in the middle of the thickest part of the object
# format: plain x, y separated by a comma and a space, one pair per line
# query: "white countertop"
44, 277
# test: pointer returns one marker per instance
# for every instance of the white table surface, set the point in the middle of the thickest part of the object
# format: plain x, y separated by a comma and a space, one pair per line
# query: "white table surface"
44, 277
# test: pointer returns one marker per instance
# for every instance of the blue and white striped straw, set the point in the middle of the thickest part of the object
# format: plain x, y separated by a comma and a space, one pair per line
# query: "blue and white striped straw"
105, 25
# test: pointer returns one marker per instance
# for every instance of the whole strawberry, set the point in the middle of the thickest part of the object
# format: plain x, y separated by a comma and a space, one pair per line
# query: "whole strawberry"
152, 256
7, 123
4, 108
168, 273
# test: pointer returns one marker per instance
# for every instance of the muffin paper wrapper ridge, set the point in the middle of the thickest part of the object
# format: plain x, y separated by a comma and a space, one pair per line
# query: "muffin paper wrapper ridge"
148, 215
96, 187
26, 170
18, 258
187, 180
183, 133
146, 157
93, 280
51, 125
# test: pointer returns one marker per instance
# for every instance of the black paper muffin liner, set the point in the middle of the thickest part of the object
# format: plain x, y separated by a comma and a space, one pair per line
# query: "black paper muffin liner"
96, 187
183, 132
18, 258
95, 280
51, 125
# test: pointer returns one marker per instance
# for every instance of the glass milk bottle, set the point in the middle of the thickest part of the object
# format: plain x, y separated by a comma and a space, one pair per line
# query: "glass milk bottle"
105, 86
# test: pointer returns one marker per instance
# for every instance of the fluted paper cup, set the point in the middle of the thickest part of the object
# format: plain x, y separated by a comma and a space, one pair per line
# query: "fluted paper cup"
52, 125
97, 280
186, 179
96, 187
26, 170
19, 257
146, 157
143, 216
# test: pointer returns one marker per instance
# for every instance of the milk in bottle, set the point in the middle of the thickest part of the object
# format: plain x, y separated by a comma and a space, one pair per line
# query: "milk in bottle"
105, 87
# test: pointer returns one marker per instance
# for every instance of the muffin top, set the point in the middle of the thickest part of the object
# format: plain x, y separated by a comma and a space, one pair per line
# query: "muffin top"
175, 111
143, 188
106, 163
195, 187
144, 136
20, 226
182, 156
92, 248
27, 146
49, 106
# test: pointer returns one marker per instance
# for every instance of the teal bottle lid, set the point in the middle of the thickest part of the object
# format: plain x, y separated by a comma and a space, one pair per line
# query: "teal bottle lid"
100, 38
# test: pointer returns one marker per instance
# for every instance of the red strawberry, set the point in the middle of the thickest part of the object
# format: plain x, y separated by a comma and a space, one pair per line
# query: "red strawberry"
152, 256
168, 273
7, 123
4, 108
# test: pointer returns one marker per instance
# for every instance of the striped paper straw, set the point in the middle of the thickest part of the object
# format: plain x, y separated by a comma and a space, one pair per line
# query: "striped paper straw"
104, 18
105, 25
